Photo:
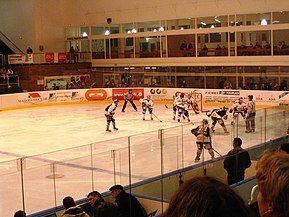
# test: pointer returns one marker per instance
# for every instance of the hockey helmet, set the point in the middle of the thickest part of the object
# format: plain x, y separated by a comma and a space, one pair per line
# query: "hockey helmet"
182, 95
250, 97
116, 100
241, 98
205, 121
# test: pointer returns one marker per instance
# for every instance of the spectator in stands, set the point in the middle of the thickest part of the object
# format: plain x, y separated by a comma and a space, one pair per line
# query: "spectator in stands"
71, 209
127, 204
20, 213
204, 196
204, 51
101, 208
272, 173
71, 55
29, 50
236, 162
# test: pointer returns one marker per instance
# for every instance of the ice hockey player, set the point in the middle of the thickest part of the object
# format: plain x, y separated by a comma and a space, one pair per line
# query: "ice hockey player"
183, 110
250, 116
175, 108
203, 139
177, 99
193, 103
109, 114
239, 107
128, 97
147, 104
219, 115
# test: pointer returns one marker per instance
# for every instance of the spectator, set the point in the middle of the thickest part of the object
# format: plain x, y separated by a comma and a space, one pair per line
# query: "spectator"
236, 162
184, 48
71, 209
29, 50
20, 213
127, 204
204, 51
71, 54
204, 196
272, 173
100, 207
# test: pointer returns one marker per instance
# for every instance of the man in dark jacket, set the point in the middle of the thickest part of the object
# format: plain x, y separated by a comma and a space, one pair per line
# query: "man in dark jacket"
71, 210
127, 204
236, 162
100, 207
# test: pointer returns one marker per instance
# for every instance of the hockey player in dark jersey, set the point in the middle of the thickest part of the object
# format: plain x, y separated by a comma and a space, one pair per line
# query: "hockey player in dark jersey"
203, 139
128, 97
219, 115
109, 114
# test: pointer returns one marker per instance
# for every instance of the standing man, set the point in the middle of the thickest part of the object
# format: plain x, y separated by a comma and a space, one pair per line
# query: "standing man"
127, 204
250, 116
109, 114
239, 107
236, 162
128, 97
100, 207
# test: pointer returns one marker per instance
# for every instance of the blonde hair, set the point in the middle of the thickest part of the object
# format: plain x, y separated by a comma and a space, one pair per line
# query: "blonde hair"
272, 173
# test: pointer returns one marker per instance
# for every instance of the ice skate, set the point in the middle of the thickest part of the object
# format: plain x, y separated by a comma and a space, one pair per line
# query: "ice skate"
197, 159
107, 130
226, 131
115, 128
212, 129
174, 118
179, 120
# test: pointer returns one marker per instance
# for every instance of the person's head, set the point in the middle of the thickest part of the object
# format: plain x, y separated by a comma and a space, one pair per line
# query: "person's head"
272, 173
250, 97
130, 90
285, 147
115, 190
116, 101
240, 99
205, 122
68, 202
20, 213
204, 196
93, 196
237, 142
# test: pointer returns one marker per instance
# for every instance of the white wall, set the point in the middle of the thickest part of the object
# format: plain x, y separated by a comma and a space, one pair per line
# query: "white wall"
41, 22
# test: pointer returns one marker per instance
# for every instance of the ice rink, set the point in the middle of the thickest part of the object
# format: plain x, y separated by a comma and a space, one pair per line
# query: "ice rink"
38, 130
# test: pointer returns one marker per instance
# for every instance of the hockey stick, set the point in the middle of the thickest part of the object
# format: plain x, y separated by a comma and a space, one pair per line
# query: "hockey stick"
166, 106
157, 117
217, 152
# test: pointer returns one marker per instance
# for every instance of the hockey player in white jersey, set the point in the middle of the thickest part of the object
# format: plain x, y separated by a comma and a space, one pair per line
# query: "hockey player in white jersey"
109, 114
193, 103
250, 116
183, 110
175, 107
239, 107
147, 104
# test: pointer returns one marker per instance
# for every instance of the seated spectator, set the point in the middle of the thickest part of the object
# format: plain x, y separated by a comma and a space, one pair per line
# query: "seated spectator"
20, 213
272, 173
71, 209
204, 196
100, 207
127, 204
